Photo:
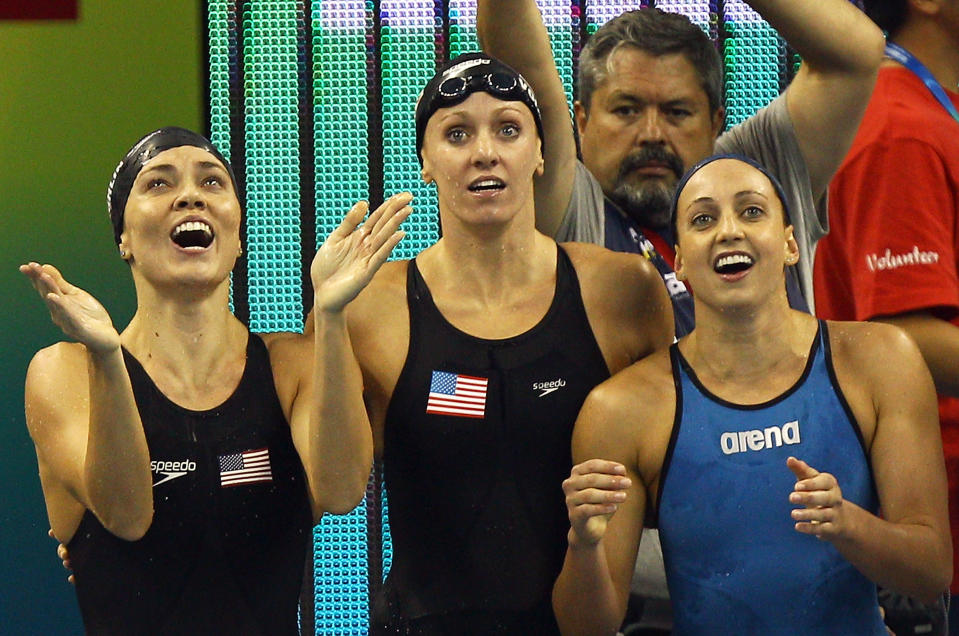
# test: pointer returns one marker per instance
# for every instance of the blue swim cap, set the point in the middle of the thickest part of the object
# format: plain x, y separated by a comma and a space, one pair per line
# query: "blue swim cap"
742, 158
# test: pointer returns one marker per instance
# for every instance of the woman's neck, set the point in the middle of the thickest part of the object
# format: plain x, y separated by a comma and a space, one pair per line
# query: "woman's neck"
746, 345
190, 338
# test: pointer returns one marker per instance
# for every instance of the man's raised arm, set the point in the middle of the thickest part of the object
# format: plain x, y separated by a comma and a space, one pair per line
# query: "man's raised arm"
841, 50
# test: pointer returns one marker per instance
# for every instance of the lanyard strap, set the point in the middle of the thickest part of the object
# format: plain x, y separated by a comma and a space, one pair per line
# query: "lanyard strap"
907, 59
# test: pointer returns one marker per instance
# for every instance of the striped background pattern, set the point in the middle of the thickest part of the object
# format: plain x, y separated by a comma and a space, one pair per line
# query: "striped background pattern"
312, 102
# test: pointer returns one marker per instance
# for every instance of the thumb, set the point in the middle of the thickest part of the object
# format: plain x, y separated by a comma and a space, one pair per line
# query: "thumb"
801, 469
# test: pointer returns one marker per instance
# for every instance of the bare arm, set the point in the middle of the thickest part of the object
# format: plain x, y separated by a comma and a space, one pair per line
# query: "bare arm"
841, 50
606, 500
83, 418
338, 451
909, 548
938, 342
513, 31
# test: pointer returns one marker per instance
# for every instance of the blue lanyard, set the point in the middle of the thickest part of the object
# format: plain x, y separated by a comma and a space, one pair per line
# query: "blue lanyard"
909, 60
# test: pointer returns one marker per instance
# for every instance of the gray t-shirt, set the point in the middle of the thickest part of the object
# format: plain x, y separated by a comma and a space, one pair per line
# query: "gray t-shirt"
769, 138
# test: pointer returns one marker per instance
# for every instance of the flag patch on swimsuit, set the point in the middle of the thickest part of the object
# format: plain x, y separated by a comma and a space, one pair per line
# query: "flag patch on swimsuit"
248, 467
456, 394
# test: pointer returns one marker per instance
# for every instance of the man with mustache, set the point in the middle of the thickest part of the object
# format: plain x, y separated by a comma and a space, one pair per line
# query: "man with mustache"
651, 104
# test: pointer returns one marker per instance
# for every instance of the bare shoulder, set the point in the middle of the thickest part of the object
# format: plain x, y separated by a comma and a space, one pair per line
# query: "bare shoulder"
286, 347
872, 347
635, 405
626, 302
57, 381
606, 271
291, 361
648, 380
880, 372
382, 299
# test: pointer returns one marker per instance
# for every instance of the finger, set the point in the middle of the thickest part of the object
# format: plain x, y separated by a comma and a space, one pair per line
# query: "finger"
816, 498
50, 533
350, 222
385, 212
49, 280
34, 274
31, 270
384, 251
801, 469
599, 466
54, 277
822, 481
586, 511
388, 227
815, 528
594, 496
815, 516
596, 481
71, 580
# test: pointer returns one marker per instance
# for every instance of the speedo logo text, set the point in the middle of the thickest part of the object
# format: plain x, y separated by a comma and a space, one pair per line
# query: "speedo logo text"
171, 469
759, 439
549, 387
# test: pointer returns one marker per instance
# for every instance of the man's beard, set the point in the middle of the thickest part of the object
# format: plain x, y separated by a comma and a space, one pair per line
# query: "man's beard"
650, 201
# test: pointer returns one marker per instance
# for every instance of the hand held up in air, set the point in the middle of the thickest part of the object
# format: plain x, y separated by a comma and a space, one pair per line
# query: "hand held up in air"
823, 515
352, 253
594, 490
76, 312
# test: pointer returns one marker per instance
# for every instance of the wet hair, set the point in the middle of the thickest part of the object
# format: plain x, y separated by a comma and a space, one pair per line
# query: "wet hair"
657, 33
741, 158
143, 151
889, 15
464, 75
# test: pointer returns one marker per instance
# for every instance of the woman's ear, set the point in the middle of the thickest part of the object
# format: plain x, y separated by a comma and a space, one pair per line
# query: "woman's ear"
791, 247
679, 264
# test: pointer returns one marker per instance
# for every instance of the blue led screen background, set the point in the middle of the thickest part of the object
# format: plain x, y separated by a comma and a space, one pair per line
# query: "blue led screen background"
312, 101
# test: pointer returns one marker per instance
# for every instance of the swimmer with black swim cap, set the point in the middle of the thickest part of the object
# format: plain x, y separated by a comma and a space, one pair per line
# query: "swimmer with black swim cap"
139, 155
498, 309
464, 75
184, 383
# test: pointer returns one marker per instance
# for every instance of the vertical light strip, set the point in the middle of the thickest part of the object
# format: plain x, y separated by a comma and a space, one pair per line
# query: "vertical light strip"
409, 32
338, 47
752, 59
558, 17
340, 109
219, 35
463, 37
272, 166
221, 40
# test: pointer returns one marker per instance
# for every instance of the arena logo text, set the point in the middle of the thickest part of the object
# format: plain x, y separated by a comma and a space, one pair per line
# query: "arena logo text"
757, 440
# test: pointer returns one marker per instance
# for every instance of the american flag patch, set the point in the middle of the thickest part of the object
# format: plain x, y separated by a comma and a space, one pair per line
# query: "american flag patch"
248, 467
456, 394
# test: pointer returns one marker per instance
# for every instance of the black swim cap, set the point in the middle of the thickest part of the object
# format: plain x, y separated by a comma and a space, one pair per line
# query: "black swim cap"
464, 75
142, 151
741, 158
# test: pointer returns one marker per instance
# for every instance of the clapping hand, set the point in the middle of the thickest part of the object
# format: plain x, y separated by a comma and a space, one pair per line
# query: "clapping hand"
352, 253
76, 312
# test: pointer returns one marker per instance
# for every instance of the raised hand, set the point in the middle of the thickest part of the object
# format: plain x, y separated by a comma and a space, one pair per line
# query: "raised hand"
76, 312
352, 253
819, 492
594, 490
